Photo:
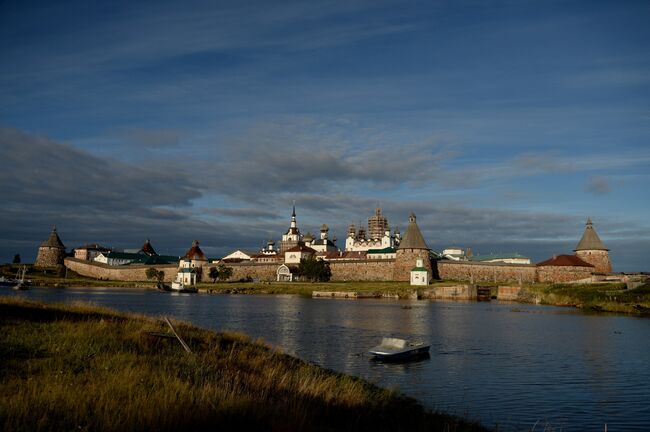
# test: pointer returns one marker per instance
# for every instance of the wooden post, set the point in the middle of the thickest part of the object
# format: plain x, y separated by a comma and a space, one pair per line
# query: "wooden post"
180, 339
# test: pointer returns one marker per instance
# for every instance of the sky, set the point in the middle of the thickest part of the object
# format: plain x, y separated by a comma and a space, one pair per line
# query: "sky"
502, 125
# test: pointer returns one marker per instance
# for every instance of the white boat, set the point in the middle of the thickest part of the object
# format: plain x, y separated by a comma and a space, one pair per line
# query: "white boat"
399, 349
180, 287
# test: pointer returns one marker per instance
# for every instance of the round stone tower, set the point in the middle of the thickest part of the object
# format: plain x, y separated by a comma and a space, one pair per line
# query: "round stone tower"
51, 252
592, 250
411, 248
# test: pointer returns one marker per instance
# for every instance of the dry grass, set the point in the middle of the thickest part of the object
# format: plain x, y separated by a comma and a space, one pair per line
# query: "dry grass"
598, 297
87, 368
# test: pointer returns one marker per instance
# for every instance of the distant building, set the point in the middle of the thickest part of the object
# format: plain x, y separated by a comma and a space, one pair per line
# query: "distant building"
379, 235
51, 252
411, 248
454, 253
194, 257
239, 255
90, 251
296, 253
293, 237
420, 275
323, 244
592, 250
509, 258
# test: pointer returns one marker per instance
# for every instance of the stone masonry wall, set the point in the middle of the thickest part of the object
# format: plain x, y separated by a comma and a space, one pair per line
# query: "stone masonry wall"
556, 274
49, 257
258, 271
362, 270
120, 273
483, 272
405, 260
598, 258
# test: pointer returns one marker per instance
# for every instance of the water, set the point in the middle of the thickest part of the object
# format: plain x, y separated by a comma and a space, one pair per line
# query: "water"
503, 364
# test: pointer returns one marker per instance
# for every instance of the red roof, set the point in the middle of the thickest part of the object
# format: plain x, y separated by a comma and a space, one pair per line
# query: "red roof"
195, 252
148, 249
301, 248
565, 260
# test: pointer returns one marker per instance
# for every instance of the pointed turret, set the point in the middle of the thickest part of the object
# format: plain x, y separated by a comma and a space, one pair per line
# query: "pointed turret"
592, 250
51, 252
590, 240
410, 249
413, 238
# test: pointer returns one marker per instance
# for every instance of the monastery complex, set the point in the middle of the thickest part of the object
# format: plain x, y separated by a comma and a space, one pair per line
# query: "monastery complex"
375, 254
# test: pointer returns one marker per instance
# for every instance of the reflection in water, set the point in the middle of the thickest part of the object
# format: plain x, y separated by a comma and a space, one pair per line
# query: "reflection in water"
505, 364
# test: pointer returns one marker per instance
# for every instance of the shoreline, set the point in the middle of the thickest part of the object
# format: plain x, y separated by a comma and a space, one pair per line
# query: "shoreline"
610, 298
151, 382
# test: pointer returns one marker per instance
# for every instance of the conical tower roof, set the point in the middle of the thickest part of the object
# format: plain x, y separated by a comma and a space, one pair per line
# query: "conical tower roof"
413, 238
590, 240
148, 249
53, 240
195, 252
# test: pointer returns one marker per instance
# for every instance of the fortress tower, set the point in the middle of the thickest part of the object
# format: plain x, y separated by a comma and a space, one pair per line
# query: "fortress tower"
51, 252
592, 250
411, 249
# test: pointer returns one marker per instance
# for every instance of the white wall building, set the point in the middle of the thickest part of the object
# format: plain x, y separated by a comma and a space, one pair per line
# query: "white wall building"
419, 273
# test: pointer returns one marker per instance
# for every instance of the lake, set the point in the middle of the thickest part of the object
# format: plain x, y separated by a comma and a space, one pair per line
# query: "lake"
512, 365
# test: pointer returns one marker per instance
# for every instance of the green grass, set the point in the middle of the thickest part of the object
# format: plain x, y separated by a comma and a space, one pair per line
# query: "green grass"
49, 277
599, 297
77, 367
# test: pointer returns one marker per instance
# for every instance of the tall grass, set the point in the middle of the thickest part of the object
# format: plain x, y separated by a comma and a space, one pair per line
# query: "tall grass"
85, 368
599, 297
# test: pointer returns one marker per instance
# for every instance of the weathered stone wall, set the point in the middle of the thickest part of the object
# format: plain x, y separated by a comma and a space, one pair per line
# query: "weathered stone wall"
484, 272
406, 259
257, 271
454, 292
508, 292
362, 270
120, 273
49, 257
598, 258
555, 274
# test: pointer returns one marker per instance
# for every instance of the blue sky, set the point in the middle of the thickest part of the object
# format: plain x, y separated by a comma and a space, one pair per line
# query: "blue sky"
502, 124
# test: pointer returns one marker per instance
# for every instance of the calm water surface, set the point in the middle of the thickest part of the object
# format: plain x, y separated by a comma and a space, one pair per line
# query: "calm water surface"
503, 364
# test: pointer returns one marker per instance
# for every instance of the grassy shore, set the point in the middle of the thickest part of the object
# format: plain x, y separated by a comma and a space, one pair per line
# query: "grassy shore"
78, 367
596, 297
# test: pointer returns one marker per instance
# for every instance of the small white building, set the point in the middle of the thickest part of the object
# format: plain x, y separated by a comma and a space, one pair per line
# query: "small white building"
186, 276
90, 252
419, 273
296, 253
284, 273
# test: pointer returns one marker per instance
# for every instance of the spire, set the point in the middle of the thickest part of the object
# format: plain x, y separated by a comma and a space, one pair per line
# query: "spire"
590, 240
293, 216
413, 238
53, 241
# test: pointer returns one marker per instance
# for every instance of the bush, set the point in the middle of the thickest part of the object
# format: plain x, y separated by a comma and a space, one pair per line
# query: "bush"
314, 270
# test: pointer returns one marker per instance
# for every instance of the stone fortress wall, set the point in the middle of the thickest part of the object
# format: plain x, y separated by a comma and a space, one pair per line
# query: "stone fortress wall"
486, 272
354, 270
131, 273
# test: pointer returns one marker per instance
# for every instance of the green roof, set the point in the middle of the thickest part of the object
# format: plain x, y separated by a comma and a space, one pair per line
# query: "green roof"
590, 240
491, 257
124, 255
379, 251
419, 269
187, 270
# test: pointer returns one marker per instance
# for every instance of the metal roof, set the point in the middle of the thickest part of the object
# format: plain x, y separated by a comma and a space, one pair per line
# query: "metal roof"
413, 238
590, 240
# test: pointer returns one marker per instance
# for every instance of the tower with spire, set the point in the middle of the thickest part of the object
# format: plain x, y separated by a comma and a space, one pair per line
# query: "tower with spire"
292, 237
411, 249
592, 250
51, 252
